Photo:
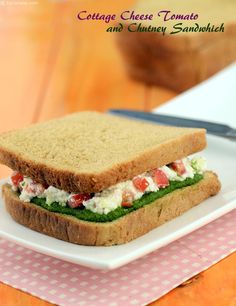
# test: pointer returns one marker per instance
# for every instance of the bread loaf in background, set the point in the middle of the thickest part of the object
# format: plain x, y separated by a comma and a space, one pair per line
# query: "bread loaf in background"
180, 61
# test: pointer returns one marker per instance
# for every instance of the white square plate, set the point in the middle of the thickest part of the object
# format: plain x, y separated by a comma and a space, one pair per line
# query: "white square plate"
214, 99
221, 156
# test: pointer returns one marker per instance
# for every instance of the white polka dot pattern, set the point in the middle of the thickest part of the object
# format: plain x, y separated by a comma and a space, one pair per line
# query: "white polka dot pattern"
137, 283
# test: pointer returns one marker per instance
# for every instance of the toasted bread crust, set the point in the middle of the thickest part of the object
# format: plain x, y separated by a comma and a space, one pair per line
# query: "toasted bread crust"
120, 231
191, 141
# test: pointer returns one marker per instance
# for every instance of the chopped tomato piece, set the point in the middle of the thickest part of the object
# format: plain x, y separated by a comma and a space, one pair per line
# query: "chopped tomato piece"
126, 204
127, 198
178, 166
16, 178
140, 183
77, 200
160, 178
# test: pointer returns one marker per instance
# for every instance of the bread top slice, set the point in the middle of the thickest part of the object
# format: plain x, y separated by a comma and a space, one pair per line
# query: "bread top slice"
90, 151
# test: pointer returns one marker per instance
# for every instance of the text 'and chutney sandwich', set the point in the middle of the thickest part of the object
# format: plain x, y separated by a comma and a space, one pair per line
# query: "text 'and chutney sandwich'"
96, 179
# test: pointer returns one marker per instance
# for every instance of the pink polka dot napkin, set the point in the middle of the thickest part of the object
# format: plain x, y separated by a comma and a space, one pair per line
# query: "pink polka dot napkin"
137, 283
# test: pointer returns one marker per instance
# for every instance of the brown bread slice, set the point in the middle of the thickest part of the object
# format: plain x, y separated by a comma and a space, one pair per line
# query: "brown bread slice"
122, 230
90, 151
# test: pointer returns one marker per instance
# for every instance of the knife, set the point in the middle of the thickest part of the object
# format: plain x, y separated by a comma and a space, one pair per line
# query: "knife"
217, 129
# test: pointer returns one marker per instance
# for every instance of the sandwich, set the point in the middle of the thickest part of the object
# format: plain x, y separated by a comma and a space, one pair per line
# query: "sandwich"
96, 179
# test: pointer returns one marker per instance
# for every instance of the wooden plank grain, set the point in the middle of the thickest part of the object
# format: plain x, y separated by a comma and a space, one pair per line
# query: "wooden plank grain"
10, 296
215, 286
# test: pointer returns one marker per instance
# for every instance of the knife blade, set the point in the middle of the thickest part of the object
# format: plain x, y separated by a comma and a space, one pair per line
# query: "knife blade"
213, 128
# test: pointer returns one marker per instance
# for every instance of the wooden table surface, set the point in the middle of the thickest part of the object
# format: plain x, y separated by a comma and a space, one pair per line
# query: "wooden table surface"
51, 65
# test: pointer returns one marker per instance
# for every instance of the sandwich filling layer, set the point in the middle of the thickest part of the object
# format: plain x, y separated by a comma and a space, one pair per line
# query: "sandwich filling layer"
117, 200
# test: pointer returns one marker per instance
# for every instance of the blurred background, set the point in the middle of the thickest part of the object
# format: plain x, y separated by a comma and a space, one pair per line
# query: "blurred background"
52, 64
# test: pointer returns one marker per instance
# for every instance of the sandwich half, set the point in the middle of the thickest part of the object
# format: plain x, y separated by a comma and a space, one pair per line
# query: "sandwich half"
96, 179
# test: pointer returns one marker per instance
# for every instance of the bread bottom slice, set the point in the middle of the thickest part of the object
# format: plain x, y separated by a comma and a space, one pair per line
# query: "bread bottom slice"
122, 230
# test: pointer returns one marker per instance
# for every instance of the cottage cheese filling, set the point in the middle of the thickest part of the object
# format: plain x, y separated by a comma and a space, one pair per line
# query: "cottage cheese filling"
121, 194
